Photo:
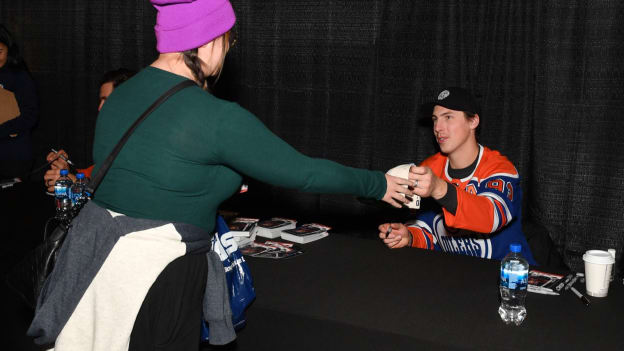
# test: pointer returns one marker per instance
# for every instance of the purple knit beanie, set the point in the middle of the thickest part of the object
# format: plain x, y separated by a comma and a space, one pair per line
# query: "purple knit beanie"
188, 24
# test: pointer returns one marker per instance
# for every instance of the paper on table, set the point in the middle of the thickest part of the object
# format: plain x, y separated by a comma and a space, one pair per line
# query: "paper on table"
8, 106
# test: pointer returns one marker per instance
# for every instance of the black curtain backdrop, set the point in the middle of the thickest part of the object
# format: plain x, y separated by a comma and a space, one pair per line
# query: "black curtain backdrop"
346, 80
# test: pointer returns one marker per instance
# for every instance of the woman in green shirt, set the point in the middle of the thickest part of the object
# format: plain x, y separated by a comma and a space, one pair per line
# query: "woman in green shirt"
146, 287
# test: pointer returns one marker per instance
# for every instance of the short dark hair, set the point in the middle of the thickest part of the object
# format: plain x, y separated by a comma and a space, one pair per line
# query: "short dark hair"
117, 76
14, 59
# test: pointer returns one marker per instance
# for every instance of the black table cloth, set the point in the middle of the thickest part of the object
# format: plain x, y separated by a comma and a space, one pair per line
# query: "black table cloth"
351, 293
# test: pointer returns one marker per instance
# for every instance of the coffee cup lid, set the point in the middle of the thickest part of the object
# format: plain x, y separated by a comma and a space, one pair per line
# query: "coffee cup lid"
598, 256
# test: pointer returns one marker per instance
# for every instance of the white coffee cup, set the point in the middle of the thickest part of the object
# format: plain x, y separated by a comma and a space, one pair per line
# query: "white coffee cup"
402, 171
598, 266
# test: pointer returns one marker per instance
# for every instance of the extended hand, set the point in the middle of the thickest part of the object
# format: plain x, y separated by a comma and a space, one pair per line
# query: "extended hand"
396, 188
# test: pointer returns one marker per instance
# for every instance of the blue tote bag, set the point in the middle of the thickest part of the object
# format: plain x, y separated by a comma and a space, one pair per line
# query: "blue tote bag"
237, 275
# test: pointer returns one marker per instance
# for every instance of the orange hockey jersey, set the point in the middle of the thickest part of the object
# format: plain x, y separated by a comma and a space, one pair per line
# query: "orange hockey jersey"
488, 212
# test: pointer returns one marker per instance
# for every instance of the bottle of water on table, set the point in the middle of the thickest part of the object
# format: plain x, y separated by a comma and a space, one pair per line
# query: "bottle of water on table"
61, 195
514, 276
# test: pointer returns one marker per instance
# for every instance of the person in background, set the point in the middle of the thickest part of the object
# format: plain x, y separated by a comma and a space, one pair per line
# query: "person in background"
144, 284
476, 190
16, 156
108, 83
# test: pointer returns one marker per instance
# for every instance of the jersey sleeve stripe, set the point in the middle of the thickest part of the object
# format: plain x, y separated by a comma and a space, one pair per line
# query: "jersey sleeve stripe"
495, 219
428, 242
431, 241
502, 214
424, 236
499, 199
424, 225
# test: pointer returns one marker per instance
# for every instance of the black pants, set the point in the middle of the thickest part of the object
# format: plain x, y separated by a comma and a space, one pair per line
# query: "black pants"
170, 316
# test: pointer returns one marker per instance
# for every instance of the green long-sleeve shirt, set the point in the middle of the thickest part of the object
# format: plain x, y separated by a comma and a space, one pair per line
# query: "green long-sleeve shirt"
187, 157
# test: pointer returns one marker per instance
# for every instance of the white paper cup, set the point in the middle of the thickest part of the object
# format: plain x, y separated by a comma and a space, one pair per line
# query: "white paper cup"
598, 266
402, 171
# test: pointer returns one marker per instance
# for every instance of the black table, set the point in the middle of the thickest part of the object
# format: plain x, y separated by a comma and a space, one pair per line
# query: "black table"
355, 294
351, 293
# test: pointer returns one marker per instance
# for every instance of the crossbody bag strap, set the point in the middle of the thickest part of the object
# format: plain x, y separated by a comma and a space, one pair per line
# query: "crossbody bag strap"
108, 162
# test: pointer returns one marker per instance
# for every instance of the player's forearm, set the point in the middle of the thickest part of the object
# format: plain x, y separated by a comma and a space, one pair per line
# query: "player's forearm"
477, 213
421, 238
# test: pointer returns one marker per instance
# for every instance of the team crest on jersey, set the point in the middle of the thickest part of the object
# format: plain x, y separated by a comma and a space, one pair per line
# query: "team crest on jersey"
443, 95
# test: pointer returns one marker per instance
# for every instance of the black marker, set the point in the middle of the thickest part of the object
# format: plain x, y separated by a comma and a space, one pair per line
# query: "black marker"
571, 282
580, 296
564, 282
389, 230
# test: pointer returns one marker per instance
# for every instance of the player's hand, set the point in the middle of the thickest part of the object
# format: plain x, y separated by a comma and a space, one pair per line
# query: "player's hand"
57, 161
399, 236
50, 177
396, 188
426, 184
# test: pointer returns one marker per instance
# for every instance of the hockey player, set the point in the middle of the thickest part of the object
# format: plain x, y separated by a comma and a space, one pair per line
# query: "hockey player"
476, 190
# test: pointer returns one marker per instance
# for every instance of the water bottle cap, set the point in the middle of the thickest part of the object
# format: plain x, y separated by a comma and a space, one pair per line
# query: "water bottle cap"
80, 176
515, 247
64, 172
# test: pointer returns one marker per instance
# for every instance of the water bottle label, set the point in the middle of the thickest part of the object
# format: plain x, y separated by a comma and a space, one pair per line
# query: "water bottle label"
74, 196
514, 279
60, 191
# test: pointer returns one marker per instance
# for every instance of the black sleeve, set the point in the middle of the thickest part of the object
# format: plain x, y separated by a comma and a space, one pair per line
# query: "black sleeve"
449, 200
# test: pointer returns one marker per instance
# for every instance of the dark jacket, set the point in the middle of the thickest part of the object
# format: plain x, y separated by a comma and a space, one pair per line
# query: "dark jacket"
21, 84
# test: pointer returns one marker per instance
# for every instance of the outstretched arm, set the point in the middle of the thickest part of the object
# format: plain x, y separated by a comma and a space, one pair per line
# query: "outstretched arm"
250, 148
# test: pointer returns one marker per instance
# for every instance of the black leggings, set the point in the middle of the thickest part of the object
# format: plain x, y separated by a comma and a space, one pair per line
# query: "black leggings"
170, 316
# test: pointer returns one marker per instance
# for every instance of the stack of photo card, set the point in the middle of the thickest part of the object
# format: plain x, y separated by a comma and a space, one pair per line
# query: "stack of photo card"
241, 226
544, 283
306, 233
242, 229
271, 249
272, 228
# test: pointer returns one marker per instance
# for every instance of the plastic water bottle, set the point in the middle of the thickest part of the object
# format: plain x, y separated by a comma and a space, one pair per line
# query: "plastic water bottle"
514, 276
61, 194
78, 195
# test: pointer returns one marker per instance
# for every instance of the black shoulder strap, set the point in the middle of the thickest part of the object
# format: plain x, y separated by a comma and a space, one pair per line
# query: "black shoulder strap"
97, 179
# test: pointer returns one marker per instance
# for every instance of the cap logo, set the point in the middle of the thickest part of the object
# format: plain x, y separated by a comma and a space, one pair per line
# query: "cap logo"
443, 95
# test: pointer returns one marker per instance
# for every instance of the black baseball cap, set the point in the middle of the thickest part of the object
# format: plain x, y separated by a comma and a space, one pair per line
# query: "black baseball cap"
458, 99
